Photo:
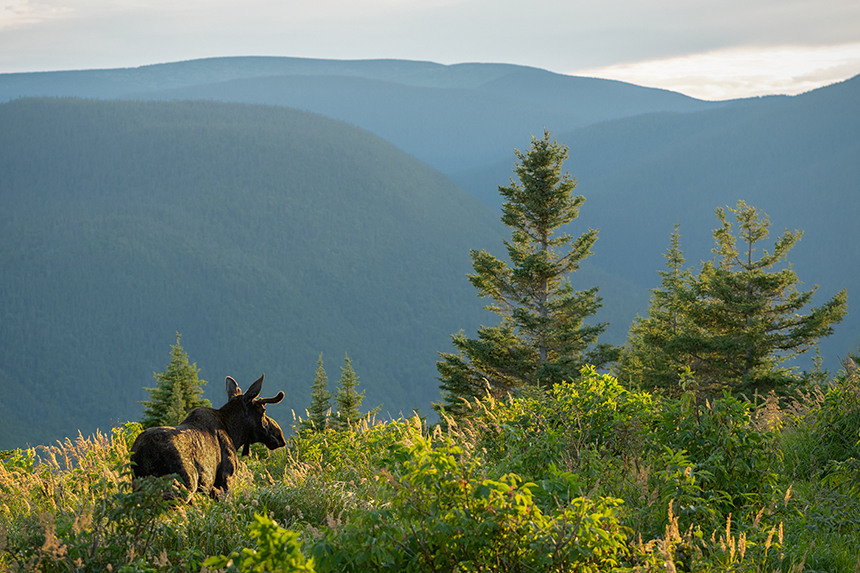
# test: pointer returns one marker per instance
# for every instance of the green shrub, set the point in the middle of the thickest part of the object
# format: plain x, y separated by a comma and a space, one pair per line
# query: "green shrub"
601, 412
321, 475
484, 494
278, 551
561, 427
350, 454
442, 515
836, 424
734, 464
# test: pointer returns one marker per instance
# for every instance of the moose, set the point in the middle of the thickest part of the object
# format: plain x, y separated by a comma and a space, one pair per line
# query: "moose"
201, 450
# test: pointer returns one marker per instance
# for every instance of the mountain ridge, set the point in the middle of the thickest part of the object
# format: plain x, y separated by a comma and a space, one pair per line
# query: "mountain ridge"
450, 116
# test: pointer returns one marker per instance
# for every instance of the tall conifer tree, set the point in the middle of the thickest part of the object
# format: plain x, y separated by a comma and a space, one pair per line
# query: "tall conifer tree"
736, 321
177, 392
542, 338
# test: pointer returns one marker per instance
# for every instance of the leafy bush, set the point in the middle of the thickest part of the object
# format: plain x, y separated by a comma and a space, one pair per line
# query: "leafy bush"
323, 474
698, 482
442, 515
278, 551
833, 429
563, 427
733, 462
347, 454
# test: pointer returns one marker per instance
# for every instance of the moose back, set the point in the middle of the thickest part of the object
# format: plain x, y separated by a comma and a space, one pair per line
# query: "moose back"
202, 449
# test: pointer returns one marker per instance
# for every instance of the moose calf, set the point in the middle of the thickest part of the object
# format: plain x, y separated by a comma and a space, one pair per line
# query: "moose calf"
202, 449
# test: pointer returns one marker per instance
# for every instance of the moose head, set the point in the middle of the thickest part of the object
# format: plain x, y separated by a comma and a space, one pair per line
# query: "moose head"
246, 417
202, 449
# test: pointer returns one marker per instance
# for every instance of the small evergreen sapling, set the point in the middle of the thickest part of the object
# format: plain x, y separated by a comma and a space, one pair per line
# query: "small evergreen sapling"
649, 359
348, 399
178, 391
320, 408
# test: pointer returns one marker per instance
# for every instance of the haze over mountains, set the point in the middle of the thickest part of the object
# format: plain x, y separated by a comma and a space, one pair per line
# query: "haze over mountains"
452, 117
266, 235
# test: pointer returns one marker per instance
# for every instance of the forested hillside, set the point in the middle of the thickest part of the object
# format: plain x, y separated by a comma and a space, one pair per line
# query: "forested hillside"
263, 235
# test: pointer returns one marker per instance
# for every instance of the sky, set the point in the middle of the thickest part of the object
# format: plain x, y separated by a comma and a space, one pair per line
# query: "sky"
710, 49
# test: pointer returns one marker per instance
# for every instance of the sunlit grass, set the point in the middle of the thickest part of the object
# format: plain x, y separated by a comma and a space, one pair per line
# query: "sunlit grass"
71, 507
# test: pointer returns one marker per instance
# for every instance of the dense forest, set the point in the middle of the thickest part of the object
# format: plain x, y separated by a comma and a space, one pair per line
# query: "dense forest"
264, 235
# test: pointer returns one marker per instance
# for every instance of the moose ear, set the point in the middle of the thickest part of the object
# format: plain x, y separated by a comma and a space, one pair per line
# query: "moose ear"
254, 389
233, 389
274, 400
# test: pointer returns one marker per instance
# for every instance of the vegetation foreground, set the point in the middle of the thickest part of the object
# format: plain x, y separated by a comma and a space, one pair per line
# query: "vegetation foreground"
587, 476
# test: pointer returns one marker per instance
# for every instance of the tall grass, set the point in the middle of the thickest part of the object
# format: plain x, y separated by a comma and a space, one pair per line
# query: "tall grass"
400, 493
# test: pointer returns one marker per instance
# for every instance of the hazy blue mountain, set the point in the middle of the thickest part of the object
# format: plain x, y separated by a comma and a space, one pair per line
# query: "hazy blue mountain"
452, 117
449, 128
122, 82
263, 234
593, 99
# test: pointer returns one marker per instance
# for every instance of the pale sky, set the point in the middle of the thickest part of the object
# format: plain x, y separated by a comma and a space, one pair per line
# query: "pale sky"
711, 49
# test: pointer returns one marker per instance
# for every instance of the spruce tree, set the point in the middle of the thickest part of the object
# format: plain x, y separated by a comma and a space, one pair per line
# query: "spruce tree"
177, 392
542, 338
348, 399
320, 408
740, 317
650, 359
747, 313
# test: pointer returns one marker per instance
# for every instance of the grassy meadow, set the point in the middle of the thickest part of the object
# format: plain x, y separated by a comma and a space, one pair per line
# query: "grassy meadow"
586, 477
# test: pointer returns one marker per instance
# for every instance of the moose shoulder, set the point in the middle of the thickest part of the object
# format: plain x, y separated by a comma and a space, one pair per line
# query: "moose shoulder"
202, 449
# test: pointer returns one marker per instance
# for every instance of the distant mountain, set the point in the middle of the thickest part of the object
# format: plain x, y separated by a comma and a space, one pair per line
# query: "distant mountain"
264, 235
452, 117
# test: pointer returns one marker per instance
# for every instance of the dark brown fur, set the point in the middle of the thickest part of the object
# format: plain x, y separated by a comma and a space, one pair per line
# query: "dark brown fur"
202, 449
